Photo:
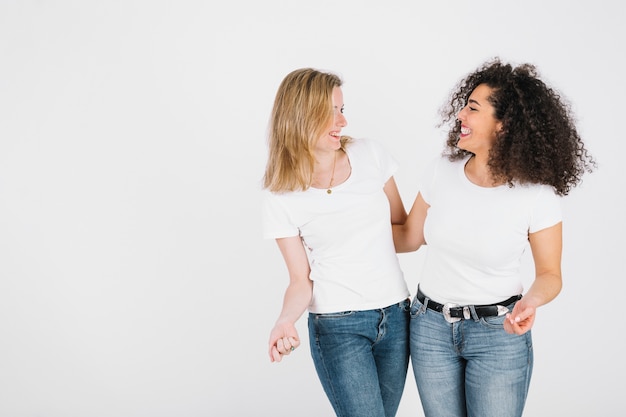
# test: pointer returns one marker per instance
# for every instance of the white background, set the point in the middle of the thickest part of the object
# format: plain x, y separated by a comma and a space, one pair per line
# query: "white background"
133, 277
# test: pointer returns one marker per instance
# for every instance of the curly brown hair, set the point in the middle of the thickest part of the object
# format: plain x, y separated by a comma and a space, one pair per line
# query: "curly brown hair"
538, 142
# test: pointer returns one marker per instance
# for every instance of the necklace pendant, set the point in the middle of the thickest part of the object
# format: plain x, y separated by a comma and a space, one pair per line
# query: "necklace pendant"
329, 191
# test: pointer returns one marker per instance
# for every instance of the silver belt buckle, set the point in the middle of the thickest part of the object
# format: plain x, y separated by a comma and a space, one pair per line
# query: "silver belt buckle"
502, 310
446, 313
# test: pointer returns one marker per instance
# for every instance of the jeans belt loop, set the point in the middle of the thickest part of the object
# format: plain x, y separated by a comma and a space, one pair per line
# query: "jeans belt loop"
424, 305
473, 313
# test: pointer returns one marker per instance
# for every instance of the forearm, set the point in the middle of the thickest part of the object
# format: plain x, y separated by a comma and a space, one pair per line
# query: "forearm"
408, 237
544, 289
296, 300
402, 239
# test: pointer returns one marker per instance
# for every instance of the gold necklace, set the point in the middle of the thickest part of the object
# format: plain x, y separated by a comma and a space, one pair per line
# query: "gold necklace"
332, 175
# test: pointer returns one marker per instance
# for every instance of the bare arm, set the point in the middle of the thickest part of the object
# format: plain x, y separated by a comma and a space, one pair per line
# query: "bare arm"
408, 237
284, 335
546, 246
398, 212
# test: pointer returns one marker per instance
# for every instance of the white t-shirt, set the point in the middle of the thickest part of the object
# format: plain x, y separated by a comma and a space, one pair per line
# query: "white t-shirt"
353, 261
476, 236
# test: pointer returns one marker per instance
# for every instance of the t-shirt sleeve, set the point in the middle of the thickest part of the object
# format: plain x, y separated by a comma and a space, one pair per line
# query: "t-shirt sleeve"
388, 164
275, 219
547, 211
427, 178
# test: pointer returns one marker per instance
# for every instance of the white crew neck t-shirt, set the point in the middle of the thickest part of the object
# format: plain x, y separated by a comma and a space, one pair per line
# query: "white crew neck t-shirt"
476, 236
348, 234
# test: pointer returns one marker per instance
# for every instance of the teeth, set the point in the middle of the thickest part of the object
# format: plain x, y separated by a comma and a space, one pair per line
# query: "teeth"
465, 130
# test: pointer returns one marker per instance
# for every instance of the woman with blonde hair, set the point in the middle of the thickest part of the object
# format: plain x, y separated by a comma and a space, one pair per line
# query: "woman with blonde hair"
329, 202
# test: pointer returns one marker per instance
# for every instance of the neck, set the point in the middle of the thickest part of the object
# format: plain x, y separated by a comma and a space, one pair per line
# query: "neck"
325, 170
478, 172
324, 160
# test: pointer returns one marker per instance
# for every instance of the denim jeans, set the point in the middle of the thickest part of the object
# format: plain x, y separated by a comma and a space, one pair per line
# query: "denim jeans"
471, 368
362, 358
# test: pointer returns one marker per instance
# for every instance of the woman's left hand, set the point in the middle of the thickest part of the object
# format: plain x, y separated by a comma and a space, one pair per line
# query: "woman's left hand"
521, 319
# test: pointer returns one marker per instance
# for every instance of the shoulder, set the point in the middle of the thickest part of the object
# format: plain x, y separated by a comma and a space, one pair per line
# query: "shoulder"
547, 193
367, 147
539, 191
443, 163
359, 144
360, 148
277, 198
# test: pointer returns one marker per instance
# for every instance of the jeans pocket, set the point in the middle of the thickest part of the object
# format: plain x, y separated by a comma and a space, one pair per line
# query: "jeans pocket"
494, 322
337, 315
331, 323
417, 308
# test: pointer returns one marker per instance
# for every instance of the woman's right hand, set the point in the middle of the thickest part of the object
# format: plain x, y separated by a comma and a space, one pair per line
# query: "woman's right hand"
283, 340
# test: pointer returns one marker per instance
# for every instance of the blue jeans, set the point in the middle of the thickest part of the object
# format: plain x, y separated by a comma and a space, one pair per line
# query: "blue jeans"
471, 368
362, 358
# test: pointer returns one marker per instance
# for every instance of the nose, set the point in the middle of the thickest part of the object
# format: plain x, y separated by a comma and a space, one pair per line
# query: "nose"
461, 114
340, 120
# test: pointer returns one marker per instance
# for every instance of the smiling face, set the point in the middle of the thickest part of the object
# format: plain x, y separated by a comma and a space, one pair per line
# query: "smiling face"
330, 139
478, 122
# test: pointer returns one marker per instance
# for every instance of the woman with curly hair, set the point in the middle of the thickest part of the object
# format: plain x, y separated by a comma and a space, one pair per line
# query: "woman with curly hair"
512, 152
329, 202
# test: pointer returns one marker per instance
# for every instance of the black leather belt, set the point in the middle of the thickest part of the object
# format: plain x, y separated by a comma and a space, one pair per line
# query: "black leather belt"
453, 312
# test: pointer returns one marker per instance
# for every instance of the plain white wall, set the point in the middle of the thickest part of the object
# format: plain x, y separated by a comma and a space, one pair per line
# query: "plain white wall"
133, 277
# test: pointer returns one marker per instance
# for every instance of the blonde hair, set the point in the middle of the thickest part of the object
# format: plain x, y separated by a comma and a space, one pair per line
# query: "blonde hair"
302, 110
